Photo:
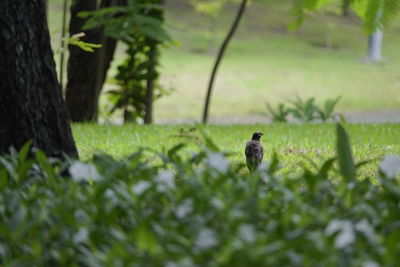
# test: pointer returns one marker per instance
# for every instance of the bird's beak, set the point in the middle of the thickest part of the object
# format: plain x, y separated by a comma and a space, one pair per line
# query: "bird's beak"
261, 133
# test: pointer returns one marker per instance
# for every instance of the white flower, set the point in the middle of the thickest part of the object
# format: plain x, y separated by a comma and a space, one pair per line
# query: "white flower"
184, 209
365, 227
370, 264
206, 239
218, 162
165, 180
81, 236
390, 166
109, 193
247, 233
83, 172
346, 234
140, 187
264, 166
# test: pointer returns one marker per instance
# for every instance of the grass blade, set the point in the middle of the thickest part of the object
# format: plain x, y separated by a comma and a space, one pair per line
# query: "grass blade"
344, 155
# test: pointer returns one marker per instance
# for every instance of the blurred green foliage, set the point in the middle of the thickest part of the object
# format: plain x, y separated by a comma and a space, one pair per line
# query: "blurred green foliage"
195, 211
374, 13
140, 26
134, 74
124, 21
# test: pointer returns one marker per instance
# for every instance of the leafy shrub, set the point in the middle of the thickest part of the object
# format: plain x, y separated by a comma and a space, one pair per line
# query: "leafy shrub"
305, 111
140, 26
133, 78
196, 211
280, 114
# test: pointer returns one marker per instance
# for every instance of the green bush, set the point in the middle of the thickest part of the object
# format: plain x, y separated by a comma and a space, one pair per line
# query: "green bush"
196, 211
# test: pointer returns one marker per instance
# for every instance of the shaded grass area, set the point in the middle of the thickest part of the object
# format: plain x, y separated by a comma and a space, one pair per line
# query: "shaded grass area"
296, 145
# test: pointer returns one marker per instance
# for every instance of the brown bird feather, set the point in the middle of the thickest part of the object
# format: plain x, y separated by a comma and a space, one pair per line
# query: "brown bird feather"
254, 152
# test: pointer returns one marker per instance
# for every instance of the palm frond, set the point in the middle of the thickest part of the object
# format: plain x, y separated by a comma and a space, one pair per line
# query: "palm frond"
391, 9
372, 15
297, 12
378, 13
375, 13
301, 8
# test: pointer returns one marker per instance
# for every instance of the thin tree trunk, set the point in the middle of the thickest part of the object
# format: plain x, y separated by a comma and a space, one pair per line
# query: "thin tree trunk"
32, 108
62, 42
346, 8
106, 56
87, 71
148, 118
375, 46
219, 58
82, 67
153, 75
375, 41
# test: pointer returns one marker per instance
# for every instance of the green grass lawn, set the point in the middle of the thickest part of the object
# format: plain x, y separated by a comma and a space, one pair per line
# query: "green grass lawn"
294, 143
266, 62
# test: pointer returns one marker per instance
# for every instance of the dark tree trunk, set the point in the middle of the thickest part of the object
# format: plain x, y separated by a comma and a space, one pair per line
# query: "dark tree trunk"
46, 5
346, 8
31, 105
87, 71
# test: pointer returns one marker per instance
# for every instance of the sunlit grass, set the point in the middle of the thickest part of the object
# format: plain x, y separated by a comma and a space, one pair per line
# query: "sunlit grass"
294, 144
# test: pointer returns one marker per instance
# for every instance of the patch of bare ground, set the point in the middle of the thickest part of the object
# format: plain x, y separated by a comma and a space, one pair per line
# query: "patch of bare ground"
377, 116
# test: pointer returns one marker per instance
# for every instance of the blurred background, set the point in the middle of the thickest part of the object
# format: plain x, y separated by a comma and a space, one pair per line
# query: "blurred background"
266, 62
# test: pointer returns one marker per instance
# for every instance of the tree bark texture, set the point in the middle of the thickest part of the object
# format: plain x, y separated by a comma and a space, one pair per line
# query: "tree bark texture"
31, 104
46, 5
87, 71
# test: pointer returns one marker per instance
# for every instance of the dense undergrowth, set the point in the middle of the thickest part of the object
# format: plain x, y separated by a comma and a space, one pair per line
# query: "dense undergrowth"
196, 211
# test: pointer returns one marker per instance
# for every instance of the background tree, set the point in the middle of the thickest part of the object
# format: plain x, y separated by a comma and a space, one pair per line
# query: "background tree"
140, 26
375, 39
46, 5
137, 77
346, 8
32, 108
375, 46
375, 14
87, 71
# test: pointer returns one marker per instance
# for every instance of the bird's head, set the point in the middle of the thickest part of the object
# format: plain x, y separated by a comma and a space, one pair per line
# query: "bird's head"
257, 136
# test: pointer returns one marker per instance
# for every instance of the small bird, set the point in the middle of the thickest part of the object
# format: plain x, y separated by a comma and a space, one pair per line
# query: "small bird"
254, 152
